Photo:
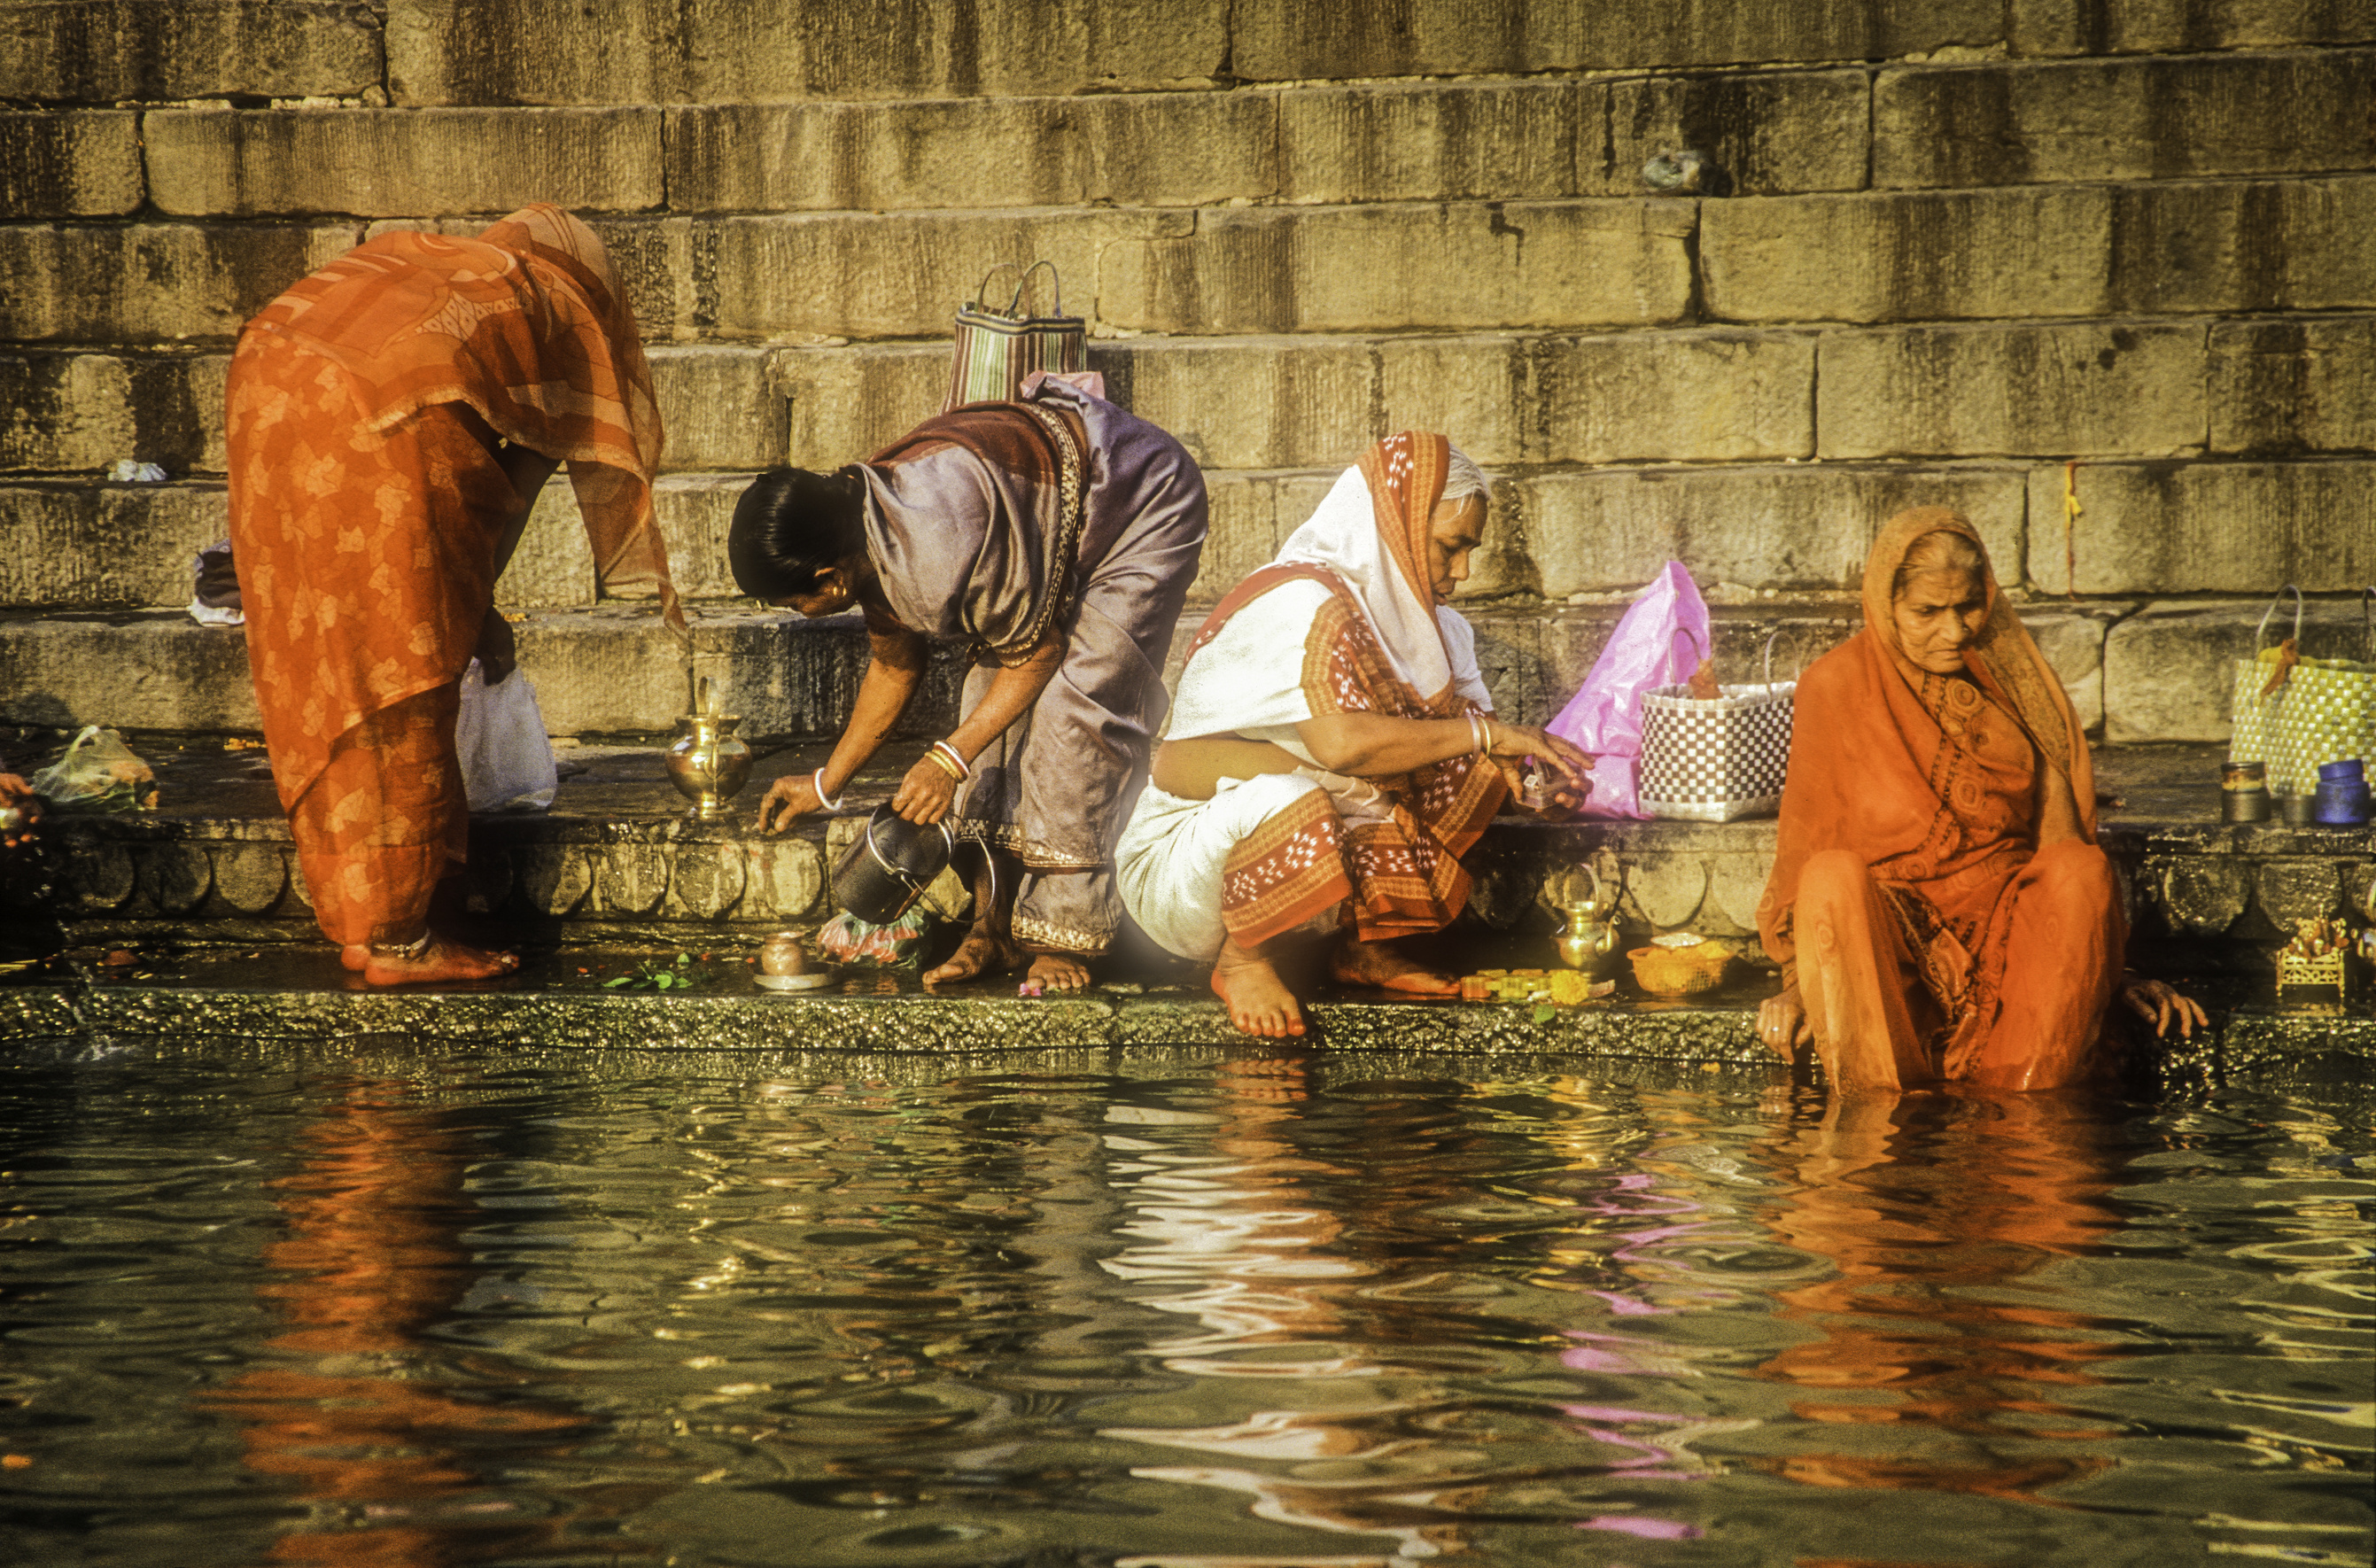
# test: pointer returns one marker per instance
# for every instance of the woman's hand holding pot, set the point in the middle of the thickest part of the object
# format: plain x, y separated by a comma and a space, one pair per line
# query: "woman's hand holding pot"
926, 794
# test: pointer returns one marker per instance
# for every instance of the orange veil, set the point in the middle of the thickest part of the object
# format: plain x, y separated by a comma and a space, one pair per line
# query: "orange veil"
1878, 770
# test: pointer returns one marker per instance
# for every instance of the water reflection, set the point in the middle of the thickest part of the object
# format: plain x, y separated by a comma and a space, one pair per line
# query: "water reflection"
1933, 1365
1329, 1254
359, 1415
1269, 1311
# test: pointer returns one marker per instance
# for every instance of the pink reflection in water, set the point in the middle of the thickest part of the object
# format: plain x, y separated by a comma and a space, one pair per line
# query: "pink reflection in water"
1648, 1529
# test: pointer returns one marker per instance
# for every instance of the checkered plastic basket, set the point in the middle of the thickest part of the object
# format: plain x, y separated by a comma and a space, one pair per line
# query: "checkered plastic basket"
1714, 759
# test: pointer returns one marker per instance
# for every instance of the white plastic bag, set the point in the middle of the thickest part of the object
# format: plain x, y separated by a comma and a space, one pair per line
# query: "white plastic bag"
97, 773
506, 760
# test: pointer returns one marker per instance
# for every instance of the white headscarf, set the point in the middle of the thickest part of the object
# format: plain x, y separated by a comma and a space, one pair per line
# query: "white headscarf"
1249, 675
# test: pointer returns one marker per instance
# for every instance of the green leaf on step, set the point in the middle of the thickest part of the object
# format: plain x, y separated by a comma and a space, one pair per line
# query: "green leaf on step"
616, 984
1545, 1014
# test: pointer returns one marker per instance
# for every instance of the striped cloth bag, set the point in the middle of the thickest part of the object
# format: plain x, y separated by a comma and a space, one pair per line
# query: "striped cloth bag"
2328, 714
996, 350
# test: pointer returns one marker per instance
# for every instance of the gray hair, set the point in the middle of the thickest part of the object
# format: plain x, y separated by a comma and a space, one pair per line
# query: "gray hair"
1463, 477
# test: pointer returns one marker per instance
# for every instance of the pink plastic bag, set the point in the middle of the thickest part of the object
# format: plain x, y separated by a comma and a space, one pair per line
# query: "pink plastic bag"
1659, 643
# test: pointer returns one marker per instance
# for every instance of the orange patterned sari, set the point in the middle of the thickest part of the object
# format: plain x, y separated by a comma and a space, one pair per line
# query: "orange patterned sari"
365, 509
1929, 930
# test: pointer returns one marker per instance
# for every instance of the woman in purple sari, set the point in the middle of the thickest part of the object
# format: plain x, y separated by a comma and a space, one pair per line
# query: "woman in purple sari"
1058, 535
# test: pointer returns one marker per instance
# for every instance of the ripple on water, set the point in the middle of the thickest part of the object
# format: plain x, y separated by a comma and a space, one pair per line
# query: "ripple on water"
458, 1309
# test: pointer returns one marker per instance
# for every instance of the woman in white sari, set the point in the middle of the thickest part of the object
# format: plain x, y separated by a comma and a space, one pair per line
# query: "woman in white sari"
1323, 773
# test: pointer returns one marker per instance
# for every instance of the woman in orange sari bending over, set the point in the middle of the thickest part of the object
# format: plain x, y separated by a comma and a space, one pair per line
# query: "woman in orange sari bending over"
1938, 903
391, 419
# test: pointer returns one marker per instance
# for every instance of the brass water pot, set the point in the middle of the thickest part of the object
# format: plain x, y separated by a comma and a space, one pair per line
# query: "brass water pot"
708, 763
1588, 941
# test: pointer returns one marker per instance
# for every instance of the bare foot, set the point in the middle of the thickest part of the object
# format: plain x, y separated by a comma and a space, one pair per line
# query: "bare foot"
982, 953
1258, 1001
442, 960
1377, 964
1058, 971
355, 956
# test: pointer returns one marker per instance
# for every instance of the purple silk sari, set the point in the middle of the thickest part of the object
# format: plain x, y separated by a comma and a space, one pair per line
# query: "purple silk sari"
999, 522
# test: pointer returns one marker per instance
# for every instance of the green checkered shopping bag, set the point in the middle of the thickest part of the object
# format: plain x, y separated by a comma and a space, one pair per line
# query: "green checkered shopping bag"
2261, 687
2329, 713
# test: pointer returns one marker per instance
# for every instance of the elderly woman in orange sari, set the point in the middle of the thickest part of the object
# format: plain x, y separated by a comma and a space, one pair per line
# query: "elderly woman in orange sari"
391, 419
1938, 903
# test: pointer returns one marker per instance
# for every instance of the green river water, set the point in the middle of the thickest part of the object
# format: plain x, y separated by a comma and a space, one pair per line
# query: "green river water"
387, 1304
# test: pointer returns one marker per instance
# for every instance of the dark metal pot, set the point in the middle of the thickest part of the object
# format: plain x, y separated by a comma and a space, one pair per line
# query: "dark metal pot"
882, 874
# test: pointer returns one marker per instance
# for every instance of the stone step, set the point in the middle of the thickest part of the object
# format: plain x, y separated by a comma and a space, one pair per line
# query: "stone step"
1770, 133
493, 52
2162, 672
616, 849
296, 1009
2155, 248
615, 861
2180, 247
2006, 123
1489, 140
108, 52
517, 52
1746, 530
2108, 389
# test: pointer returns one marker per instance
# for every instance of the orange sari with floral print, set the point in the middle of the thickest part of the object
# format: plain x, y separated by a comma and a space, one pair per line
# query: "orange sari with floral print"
366, 505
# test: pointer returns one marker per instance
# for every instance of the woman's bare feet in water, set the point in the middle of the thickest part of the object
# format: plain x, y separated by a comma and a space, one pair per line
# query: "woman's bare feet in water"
1377, 964
1258, 1001
441, 960
983, 952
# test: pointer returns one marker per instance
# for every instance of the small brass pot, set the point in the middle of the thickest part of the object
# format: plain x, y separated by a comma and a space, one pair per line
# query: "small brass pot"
1588, 942
709, 763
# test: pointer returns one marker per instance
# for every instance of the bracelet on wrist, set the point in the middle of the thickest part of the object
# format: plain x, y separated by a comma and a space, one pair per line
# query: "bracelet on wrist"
816, 782
955, 765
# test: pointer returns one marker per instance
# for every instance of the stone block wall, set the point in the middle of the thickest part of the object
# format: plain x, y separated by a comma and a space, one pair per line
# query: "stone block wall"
1946, 250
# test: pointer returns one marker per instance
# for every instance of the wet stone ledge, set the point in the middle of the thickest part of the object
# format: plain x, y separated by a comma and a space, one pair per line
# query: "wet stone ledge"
617, 860
885, 1025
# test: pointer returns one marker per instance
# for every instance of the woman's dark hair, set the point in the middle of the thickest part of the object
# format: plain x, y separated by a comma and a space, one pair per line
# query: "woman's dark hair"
790, 525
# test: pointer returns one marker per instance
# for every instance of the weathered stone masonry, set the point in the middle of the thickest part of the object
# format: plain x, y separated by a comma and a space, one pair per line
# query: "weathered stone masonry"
1960, 244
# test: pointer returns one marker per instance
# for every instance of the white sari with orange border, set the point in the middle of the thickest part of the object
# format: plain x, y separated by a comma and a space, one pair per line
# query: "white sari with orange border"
1344, 621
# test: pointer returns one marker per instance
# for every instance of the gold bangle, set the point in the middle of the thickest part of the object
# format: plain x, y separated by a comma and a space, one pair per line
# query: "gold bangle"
945, 765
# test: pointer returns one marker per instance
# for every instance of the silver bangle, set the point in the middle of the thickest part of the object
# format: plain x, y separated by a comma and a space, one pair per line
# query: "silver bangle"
816, 782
